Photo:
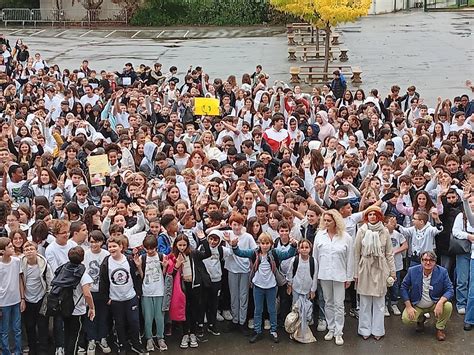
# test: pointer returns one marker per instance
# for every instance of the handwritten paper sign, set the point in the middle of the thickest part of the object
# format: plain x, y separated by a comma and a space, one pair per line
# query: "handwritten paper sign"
136, 240
206, 106
98, 169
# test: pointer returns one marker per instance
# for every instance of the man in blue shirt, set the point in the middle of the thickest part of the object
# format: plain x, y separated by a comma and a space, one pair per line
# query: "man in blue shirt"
427, 288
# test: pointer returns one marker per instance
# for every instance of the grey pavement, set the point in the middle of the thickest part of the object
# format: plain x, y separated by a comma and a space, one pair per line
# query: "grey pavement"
433, 51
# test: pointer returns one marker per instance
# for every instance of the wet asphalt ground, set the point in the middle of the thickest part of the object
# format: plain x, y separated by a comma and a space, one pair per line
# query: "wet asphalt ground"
433, 51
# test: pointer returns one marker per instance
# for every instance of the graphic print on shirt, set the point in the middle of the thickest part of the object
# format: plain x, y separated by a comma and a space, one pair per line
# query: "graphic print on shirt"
94, 268
120, 276
153, 272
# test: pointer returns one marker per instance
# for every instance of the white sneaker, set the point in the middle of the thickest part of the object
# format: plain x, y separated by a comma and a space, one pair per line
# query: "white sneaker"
227, 315
219, 317
339, 340
462, 311
91, 347
329, 335
396, 310
184, 342
162, 345
81, 350
150, 346
104, 346
267, 325
193, 343
427, 315
386, 312
59, 351
322, 325
250, 323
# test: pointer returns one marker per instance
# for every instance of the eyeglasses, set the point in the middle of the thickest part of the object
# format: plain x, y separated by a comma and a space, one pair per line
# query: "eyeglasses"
428, 260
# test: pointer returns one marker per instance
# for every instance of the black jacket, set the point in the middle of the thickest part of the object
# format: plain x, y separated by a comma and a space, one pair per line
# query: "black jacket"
104, 284
200, 275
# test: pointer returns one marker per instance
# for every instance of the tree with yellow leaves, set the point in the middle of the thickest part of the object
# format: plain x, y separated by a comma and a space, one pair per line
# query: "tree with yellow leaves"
324, 14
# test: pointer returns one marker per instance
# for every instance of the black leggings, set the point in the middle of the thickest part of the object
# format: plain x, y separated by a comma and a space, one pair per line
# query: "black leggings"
193, 308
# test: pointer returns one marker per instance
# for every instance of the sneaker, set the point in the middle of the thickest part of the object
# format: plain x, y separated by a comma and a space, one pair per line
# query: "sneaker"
255, 337
213, 330
138, 348
184, 342
162, 345
81, 350
322, 325
274, 337
26, 350
219, 317
59, 351
104, 347
200, 331
250, 323
462, 311
193, 343
354, 313
386, 312
91, 347
168, 329
267, 325
150, 346
339, 340
396, 310
427, 315
227, 315
329, 335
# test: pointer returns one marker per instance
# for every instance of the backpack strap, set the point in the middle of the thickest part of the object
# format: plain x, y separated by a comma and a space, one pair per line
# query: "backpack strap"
312, 266
221, 252
143, 264
296, 261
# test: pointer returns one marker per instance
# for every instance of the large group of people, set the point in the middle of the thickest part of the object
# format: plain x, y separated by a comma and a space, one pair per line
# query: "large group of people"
287, 209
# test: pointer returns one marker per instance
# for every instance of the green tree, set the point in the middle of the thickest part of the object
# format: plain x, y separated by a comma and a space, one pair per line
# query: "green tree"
323, 14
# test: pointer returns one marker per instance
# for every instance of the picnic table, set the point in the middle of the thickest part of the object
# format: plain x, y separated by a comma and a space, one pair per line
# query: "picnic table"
315, 74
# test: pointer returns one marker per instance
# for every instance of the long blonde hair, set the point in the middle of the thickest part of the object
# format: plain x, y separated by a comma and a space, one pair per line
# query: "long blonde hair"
336, 216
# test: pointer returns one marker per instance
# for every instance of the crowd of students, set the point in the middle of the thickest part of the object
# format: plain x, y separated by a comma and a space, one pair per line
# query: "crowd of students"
279, 209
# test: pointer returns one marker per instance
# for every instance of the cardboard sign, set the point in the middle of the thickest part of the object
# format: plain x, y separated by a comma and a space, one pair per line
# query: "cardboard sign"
98, 169
206, 106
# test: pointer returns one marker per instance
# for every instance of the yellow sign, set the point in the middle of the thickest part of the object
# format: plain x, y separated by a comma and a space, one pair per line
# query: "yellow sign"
206, 106
98, 169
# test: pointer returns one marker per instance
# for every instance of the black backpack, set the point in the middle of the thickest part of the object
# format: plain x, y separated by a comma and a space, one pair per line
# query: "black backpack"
312, 267
60, 301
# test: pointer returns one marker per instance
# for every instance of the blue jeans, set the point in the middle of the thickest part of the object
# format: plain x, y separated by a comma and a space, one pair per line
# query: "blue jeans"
11, 321
259, 294
99, 327
462, 279
469, 317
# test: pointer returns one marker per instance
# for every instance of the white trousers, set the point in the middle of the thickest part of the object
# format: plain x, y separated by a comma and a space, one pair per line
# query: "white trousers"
334, 294
371, 316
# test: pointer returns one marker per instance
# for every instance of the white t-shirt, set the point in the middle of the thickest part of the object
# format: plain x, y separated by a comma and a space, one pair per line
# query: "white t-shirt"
14, 191
10, 282
34, 290
264, 276
89, 100
397, 240
153, 281
426, 301
56, 254
121, 283
78, 297
92, 262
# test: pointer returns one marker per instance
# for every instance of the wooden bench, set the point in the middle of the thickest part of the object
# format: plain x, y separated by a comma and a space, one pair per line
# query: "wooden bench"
295, 78
291, 54
356, 75
343, 56
291, 39
316, 74
311, 52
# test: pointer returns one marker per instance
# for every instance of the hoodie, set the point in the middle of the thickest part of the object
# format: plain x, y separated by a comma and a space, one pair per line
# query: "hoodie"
294, 134
147, 164
325, 128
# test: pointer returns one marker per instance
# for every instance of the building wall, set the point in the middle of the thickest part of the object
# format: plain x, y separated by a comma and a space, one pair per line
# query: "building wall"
386, 6
78, 12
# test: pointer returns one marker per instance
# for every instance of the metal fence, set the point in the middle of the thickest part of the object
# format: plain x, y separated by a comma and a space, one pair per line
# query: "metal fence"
433, 5
62, 17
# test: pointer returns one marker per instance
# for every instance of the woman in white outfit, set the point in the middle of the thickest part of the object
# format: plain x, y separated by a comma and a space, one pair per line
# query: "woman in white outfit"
374, 267
334, 255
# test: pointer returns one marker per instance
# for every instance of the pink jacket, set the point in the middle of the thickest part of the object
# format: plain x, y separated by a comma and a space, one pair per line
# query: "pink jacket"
178, 298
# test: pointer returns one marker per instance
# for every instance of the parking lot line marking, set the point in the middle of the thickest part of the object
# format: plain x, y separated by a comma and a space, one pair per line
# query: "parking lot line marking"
16, 31
86, 33
160, 34
185, 34
37, 33
60, 33
111, 33
136, 34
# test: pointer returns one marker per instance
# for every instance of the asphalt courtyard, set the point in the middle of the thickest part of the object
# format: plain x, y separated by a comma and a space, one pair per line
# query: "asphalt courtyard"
434, 51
